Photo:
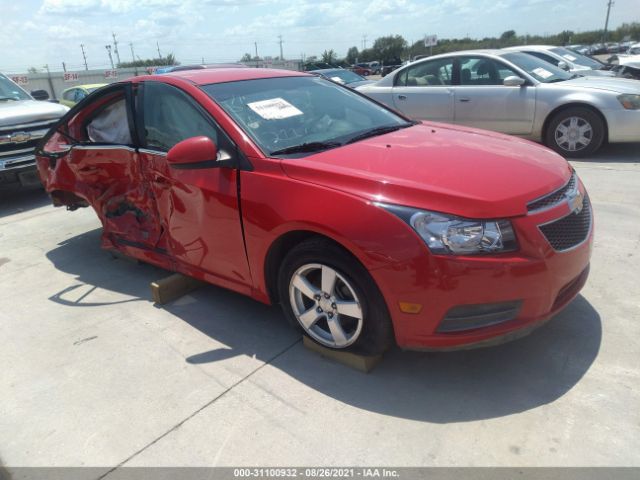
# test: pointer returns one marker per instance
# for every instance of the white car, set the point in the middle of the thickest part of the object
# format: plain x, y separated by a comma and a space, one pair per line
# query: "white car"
565, 59
518, 94
630, 59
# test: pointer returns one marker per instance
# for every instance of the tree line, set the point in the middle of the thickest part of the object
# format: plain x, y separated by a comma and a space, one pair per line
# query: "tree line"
395, 49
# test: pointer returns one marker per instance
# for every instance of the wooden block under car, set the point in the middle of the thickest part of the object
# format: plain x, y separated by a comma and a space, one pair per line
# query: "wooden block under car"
363, 363
173, 287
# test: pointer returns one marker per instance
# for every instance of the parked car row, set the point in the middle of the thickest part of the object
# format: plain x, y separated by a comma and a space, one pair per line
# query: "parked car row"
357, 211
516, 93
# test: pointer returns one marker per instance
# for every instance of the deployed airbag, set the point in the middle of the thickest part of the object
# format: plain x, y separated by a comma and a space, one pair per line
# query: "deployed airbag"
111, 125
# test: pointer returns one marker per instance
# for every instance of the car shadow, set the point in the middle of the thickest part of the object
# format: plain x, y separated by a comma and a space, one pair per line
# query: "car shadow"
14, 199
614, 153
433, 387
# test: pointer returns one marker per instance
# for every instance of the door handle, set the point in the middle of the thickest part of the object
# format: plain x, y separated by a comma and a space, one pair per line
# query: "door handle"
465, 100
402, 97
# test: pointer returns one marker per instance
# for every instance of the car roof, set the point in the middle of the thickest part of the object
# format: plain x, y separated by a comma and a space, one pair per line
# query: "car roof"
221, 75
532, 47
87, 86
327, 70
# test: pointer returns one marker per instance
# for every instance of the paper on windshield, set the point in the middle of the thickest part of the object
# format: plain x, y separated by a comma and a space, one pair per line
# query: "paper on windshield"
274, 109
571, 58
541, 72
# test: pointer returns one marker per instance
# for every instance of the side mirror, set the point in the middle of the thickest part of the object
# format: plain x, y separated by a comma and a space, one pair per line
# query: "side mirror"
563, 65
198, 152
40, 94
513, 81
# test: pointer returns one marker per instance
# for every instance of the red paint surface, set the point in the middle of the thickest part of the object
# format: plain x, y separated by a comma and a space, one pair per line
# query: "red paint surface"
192, 221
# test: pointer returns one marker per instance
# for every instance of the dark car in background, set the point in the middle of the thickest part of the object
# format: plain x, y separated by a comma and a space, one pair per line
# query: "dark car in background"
343, 76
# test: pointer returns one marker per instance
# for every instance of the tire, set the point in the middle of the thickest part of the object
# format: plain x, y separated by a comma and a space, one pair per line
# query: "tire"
575, 132
348, 314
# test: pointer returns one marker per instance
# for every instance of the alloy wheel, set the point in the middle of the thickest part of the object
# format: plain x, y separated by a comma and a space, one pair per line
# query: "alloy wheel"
573, 134
326, 305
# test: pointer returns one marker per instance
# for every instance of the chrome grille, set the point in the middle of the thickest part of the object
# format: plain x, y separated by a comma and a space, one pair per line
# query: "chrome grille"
569, 231
553, 198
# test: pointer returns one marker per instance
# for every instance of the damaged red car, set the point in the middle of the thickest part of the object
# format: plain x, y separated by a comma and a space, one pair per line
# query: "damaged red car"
366, 227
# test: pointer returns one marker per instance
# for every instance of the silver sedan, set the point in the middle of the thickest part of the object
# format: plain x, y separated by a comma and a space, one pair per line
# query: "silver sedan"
518, 94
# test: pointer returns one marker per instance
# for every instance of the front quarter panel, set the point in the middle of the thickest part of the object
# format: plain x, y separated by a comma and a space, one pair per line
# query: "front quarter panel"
274, 204
553, 96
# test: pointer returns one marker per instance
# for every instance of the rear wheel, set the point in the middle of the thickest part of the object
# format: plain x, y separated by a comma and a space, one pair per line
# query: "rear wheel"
575, 132
333, 299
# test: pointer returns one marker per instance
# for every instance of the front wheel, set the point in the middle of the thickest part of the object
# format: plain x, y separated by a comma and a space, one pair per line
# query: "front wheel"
333, 299
575, 132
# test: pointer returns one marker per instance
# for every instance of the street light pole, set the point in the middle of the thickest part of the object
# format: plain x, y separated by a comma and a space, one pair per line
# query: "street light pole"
108, 47
84, 56
606, 22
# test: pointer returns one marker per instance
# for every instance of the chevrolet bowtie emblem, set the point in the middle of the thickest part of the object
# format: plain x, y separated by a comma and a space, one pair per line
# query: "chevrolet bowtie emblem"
575, 200
20, 137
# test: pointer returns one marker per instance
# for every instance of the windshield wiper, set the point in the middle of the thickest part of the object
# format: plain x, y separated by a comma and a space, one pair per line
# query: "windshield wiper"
377, 131
307, 147
8, 98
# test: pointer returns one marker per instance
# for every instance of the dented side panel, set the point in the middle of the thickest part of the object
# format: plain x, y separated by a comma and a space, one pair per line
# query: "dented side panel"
199, 213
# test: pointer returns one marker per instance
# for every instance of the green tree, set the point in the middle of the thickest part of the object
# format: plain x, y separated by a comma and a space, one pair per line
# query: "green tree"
169, 60
246, 57
32, 70
329, 56
352, 55
389, 49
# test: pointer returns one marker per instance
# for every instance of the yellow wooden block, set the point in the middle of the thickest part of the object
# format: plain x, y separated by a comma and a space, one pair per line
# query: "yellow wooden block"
364, 363
173, 287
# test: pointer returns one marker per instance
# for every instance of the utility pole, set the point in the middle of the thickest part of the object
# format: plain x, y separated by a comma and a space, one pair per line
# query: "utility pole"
64, 67
158, 46
133, 55
280, 42
364, 42
108, 47
53, 92
606, 22
255, 44
115, 47
84, 56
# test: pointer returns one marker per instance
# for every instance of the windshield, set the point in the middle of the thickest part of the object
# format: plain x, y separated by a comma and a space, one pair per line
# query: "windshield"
577, 58
342, 76
11, 91
307, 113
539, 69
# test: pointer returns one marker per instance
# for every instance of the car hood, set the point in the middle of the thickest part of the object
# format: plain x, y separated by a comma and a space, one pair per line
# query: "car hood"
28, 111
587, 72
614, 84
359, 83
457, 170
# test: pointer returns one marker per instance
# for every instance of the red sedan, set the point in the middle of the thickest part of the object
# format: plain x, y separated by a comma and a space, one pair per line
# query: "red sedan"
365, 226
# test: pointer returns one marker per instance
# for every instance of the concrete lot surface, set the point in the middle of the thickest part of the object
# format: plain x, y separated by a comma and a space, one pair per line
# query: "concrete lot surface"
94, 374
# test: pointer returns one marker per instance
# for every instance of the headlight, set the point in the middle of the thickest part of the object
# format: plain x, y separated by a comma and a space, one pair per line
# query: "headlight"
450, 235
629, 101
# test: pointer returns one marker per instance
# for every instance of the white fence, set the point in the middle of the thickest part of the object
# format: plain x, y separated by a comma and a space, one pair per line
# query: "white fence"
55, 82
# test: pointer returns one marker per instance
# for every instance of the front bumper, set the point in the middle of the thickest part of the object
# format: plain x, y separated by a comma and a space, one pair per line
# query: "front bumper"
537, 279
623, 125
24, 173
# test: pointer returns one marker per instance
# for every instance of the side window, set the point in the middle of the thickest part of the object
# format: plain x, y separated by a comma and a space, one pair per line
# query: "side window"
545, 57
69, 94
483, 71
79, 95
429, 74
170, 116
111, 125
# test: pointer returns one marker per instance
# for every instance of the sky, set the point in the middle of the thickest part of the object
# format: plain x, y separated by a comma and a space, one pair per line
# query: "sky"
41, 32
